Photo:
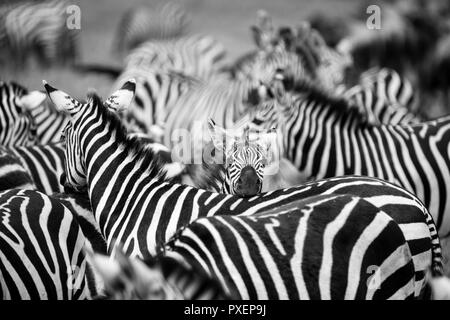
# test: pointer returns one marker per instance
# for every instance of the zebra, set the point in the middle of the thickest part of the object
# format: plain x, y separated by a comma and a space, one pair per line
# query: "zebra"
327, 65
224, 100
49, 123
12, 173
304, 251
384, 97
245, 160
42, 250
44, 164
161, 278
198, 55
156, 93
143, 23
16, 125
291, 253
40, 29
323, 138
40, 167
144, 211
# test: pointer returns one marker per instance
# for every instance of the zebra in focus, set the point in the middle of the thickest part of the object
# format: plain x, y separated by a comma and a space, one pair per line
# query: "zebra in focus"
37, 28
143, 211
323, 138
305, 250
143, 23
245, 160
42, 250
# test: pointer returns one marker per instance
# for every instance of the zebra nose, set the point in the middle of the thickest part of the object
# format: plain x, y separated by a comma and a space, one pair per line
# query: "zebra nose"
248, 183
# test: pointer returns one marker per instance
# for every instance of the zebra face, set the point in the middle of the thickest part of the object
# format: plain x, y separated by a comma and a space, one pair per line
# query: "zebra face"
75, 174
17, 127
245, 169
245, 159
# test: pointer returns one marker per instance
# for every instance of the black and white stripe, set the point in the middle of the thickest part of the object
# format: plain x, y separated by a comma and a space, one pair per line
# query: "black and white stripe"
39, 29
100, 155
324, 139
324, 247
143, 23
384, 97
41, 250
17, 127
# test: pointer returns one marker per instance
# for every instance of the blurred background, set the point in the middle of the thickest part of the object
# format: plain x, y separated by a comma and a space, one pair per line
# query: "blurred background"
228, 21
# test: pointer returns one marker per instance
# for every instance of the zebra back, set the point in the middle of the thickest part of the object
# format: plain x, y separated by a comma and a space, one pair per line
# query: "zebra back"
16, 123
39, 28
306, 250
196, 55
143, 23
42, 254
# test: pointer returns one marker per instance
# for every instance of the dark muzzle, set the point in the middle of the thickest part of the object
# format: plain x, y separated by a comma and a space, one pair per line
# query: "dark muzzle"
248, 184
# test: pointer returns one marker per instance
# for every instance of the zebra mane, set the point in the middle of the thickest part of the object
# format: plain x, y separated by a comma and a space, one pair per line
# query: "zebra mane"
150, 161
312, 92
16, 87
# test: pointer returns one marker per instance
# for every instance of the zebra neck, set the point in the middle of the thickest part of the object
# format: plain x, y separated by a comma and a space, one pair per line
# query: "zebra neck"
311, 128
114, 163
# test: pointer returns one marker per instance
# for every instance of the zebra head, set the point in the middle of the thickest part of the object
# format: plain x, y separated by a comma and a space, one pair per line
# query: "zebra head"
326, 64
75, 168
245, 159
17, 127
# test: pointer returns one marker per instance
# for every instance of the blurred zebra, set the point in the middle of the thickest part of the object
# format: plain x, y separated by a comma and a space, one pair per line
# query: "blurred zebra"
275, 49
384, 97
143, 23
156, 93
37, 28
43, 163
306, 250
224, 100
12, 173
154, 279
197, 55
49, 123
100, 154
16, 125
323, 138
41, 250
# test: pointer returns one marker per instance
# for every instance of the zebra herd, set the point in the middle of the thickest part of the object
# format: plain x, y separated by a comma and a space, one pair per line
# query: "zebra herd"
307, 188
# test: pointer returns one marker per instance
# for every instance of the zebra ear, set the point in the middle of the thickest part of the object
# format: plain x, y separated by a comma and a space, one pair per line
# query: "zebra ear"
62, 101
262, 33
122, 98
269, 142
221, 139
32, 100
